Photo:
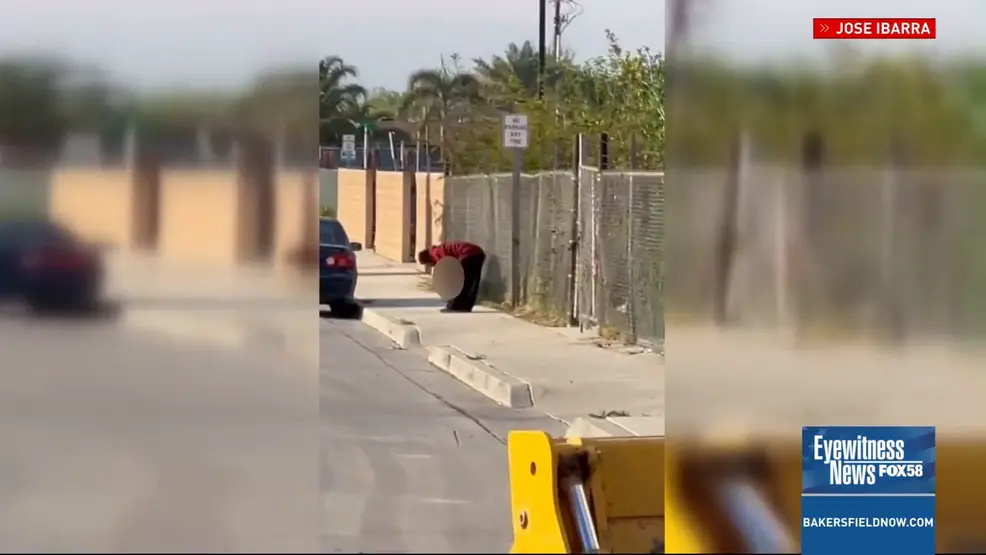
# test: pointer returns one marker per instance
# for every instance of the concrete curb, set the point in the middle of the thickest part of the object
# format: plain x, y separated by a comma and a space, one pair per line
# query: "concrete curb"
587, 426
484, 378
617, 426
404, 334
224, 334
495, 384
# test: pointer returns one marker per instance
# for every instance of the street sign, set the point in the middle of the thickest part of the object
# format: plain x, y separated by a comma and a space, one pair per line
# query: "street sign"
515, 138
515, 131
348, 147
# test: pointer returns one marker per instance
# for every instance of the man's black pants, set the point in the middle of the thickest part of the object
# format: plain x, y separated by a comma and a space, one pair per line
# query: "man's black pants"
472, 270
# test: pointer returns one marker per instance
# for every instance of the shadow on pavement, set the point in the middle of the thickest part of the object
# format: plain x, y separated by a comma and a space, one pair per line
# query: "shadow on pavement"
328, 314
198, 303
403, 303
383, 272
103, 311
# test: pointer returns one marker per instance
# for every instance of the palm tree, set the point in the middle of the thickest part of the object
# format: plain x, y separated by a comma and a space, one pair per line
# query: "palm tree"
30, 108
275, 104
337, 99
337, 96
440, 96
517, 70
384, 104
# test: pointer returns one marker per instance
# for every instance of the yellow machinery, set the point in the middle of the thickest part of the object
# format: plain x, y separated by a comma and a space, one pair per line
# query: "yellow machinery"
637, 495
558, 488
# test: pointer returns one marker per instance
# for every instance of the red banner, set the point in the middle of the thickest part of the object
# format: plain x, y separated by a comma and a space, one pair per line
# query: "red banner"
873, 28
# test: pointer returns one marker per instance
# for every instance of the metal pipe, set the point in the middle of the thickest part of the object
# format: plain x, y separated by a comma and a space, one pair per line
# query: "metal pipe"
582, 516
752, 516
393, 151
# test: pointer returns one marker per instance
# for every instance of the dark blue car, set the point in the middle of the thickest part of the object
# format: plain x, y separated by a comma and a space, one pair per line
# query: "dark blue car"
337, 269
48, 268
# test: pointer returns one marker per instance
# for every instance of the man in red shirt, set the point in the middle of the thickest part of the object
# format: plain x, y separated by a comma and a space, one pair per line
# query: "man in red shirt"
472, 259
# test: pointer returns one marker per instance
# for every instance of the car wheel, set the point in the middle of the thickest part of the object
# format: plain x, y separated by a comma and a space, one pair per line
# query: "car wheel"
344, 310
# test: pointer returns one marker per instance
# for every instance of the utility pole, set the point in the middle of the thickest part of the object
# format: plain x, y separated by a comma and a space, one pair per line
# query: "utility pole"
678, 16
542, 44
557, 31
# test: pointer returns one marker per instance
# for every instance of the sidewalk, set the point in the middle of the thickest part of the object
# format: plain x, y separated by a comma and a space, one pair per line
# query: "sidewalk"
244, 307
747, 381
766, 382
514, 362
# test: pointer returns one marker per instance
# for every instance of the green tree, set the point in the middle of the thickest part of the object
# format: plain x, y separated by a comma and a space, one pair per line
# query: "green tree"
89, 101
382, 104
31, 108
279, 103
516, 71
337, 94
860, 105
338, 97
621, 93
440, 97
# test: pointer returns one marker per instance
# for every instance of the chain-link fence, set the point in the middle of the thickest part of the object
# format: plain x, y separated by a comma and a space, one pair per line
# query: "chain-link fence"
897, 252
477, 209
620, 255
590, 244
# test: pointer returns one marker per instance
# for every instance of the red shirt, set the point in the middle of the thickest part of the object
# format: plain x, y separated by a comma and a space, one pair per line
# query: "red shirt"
456, 249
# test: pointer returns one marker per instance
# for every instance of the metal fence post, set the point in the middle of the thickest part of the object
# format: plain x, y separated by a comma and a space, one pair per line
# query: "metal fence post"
533, 282
575, 243
598, 245
518, 164
631, 308
782, 242
891, 319
631, 312
727, 235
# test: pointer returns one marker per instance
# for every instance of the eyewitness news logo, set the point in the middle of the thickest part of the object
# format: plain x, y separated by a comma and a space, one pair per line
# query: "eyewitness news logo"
868, 489
874, 28
869, 460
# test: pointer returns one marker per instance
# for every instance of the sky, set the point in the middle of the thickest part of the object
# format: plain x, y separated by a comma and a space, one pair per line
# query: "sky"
422, 31
223, 43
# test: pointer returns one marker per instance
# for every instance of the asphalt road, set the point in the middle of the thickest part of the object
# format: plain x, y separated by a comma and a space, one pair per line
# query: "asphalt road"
115, 441
411, 460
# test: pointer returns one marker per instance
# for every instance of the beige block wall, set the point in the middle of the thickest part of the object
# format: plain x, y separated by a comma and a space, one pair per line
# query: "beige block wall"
354, 211
426, 220
295, 191
199, 211
393, 217
96, 204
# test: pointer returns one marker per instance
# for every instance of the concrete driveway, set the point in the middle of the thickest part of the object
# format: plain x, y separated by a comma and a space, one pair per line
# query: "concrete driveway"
411, 461
115, 441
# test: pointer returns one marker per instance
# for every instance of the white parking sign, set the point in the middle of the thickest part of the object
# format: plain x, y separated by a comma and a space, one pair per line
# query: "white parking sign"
515, 131
348, 147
